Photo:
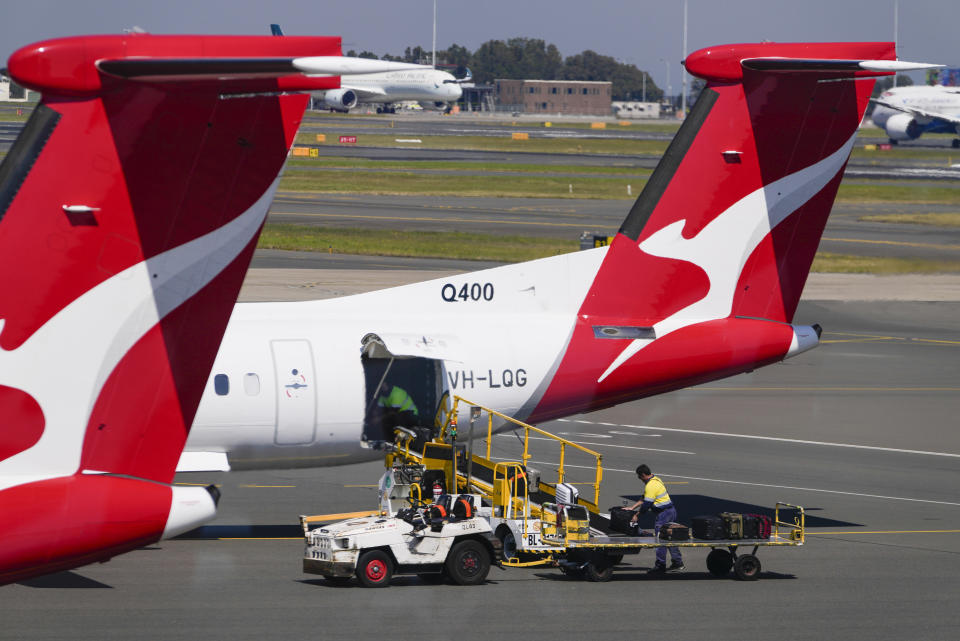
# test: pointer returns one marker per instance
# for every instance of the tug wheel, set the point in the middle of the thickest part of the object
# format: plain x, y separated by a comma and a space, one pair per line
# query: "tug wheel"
747, 567
374, 569
468, 563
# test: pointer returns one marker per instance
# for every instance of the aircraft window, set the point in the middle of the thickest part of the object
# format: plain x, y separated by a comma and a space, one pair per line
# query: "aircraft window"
251, 384
221, 384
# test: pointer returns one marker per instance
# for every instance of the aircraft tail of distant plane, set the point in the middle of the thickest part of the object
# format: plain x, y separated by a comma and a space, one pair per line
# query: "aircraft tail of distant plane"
130, 207
705, 274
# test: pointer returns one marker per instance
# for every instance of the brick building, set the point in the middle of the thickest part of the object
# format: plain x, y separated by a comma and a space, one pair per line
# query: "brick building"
555, 96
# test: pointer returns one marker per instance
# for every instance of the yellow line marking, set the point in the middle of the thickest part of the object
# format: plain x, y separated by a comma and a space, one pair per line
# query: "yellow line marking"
899, 243
269, 486
374, 485
197, 484
260, 538
321, 518
430, 220
861, 340
933, 340
809, 533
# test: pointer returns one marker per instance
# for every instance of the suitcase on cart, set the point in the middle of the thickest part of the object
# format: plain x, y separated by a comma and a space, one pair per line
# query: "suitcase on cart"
732, 525
620, 521
708, 528
674, 532
756, 526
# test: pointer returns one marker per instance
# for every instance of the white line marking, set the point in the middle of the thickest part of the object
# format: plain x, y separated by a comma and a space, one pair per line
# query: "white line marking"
779, 487
625, 447
782, 440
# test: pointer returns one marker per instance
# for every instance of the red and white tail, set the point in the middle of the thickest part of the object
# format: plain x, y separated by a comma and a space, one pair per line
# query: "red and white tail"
130, 207
706, 272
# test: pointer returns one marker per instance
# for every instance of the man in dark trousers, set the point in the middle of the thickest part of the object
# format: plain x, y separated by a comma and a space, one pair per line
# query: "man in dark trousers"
655, 498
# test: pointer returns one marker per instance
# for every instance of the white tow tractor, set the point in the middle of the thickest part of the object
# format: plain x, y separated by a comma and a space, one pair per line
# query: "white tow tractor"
447, 538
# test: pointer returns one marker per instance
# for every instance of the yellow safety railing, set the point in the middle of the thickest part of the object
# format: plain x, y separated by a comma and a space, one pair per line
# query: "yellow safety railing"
527, 430
795, 531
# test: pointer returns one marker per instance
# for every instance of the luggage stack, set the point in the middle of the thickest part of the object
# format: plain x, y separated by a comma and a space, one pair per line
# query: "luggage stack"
731, 526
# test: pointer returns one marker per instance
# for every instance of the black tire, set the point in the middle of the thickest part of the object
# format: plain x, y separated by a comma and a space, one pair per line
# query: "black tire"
374, 569
468, 563
747, 567
615, 559
508, 543
719, 563
598, 570
337, 580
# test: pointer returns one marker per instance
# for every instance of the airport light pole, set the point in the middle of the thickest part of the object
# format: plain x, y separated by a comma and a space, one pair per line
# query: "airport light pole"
896, 20
683, 99
666, 63
434, 34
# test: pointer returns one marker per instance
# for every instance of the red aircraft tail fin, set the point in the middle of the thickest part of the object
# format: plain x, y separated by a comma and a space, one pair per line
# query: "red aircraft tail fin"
129, 210
727, 226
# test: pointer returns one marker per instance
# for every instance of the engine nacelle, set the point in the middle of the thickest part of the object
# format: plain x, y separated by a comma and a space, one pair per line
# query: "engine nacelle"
438, 105
340, 99
903, 127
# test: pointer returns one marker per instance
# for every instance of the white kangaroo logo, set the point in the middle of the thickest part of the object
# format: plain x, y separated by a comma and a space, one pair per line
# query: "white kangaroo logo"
66, 362
722, 247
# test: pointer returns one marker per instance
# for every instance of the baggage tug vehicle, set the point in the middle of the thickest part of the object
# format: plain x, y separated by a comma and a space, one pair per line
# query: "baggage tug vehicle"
496, 512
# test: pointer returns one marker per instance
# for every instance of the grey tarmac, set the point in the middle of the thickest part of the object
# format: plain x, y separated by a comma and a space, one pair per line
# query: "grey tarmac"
860, 431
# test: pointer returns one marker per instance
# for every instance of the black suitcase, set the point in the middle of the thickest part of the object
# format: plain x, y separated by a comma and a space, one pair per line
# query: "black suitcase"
751, 527
708, 528
620, 521
674, 532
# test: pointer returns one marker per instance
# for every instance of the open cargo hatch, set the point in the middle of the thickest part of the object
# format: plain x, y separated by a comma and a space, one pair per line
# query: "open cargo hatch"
405, 384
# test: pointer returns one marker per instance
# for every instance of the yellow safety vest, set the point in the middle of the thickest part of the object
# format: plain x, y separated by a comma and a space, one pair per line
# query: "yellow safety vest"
656, 492
398, 399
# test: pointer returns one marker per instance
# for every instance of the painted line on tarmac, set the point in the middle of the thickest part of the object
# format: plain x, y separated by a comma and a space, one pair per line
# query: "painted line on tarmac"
898, 243
625, 447
779, 487
774, 438
809, 533
269, 486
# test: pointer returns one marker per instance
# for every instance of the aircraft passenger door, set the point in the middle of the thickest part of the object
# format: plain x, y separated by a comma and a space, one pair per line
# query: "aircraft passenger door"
296, 392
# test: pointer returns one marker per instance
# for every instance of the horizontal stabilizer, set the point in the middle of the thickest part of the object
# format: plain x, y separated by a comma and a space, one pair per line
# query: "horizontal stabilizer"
822, 65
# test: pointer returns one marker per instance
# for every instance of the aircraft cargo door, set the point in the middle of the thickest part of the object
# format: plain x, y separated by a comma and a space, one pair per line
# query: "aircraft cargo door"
296, 392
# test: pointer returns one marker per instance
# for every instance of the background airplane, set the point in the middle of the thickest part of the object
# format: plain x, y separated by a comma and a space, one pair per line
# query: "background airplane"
432, 88
906, 113
701, 282
130, 206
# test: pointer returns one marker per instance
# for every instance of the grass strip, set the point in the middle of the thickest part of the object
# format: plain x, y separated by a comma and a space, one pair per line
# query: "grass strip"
336, 162
866, 191
941, 219
847, 264
407, 183
422, 244
615, 146
513, 249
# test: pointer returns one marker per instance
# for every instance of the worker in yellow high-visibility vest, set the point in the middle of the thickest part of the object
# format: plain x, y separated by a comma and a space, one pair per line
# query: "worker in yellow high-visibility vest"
400, 405
655, 498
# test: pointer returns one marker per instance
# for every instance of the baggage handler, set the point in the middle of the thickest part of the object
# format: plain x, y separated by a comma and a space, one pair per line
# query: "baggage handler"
655, 498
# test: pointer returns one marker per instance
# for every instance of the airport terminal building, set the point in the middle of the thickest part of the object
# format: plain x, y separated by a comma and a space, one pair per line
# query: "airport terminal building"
555, 96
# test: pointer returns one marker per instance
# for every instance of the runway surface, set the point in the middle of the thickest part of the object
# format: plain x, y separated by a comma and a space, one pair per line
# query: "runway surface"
568, 218
861, 431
